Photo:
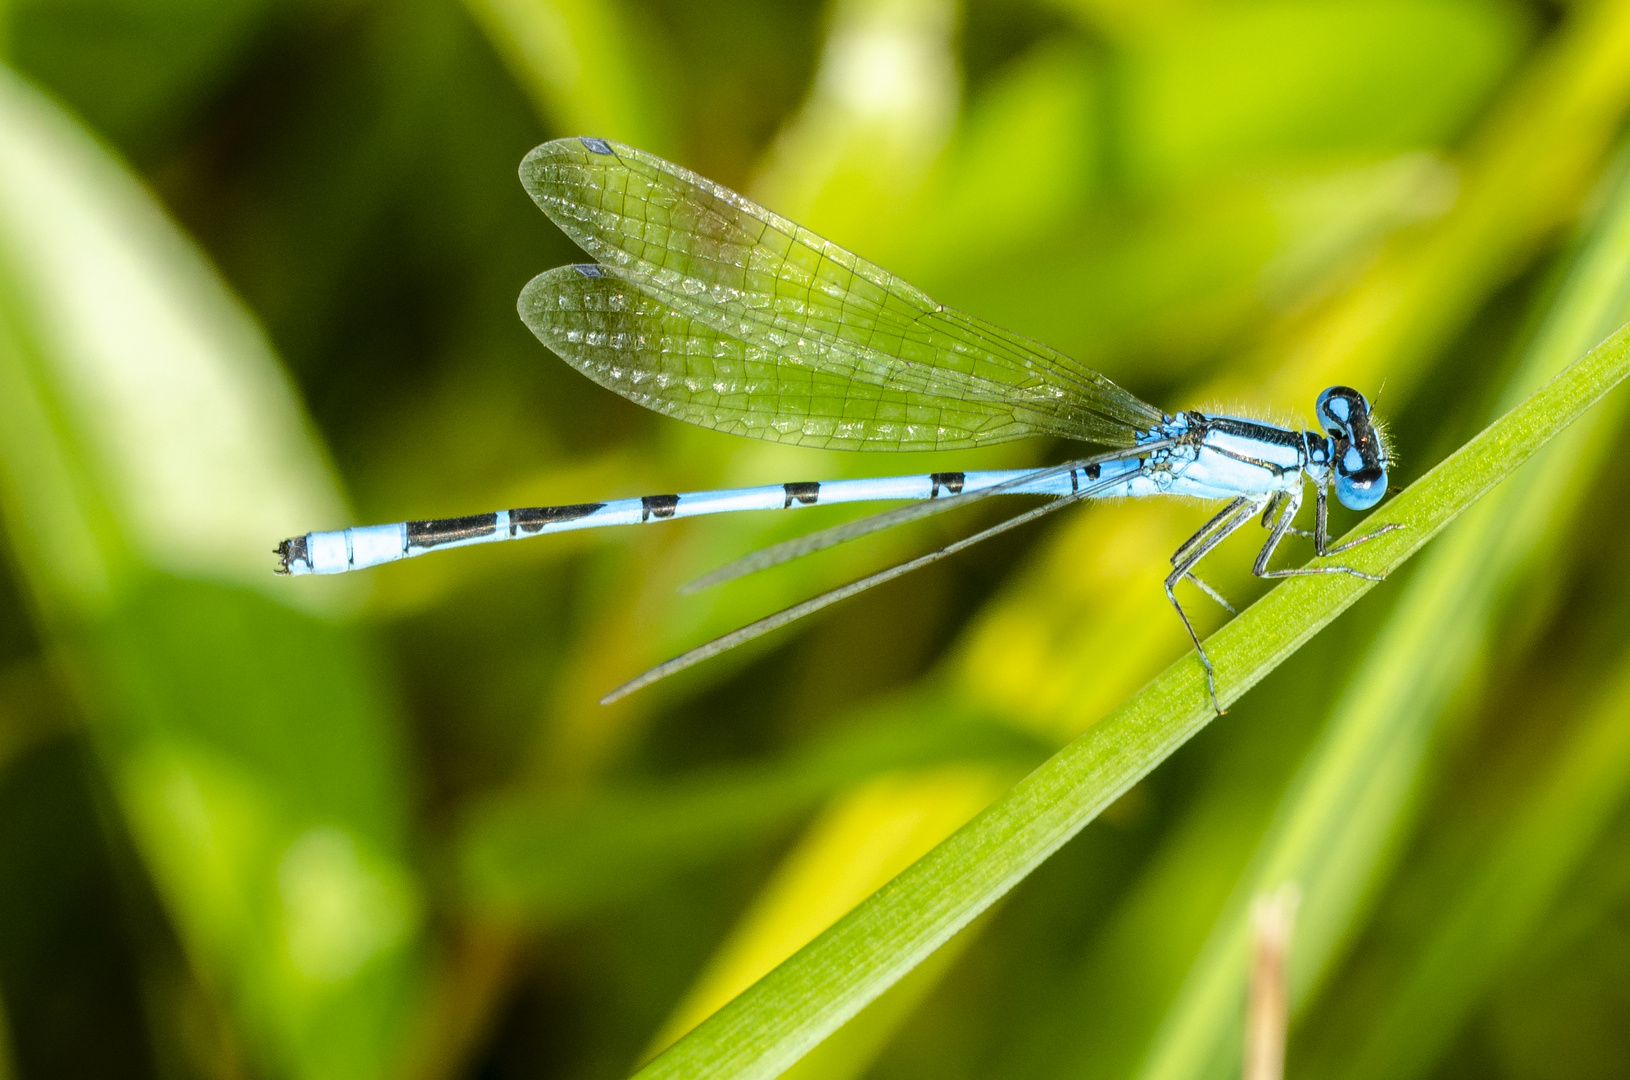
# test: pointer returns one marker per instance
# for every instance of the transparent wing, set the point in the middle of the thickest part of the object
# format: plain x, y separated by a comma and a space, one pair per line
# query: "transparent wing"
677, 365
729, 275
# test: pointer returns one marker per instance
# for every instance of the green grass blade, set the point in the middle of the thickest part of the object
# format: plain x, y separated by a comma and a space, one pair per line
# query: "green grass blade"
781, 1017
1033, 660
1033, 656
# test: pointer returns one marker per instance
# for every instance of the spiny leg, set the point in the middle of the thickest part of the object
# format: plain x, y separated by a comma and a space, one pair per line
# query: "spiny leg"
1203, 530
1195, 548
1272, 512
1200, 534
1321, 535
1293, 503
1213, 593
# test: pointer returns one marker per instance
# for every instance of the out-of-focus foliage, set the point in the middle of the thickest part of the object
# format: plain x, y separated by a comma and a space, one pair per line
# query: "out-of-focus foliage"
258, 265
244, 737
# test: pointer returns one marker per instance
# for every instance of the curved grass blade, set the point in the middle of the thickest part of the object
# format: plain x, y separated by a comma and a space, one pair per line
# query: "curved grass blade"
789, 1011
809, 543
1514, 193
692, 265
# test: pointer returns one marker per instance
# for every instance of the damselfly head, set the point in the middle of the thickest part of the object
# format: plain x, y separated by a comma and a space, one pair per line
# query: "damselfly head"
1359, 450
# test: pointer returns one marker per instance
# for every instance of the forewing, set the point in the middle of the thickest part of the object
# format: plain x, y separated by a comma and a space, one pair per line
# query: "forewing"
721, 261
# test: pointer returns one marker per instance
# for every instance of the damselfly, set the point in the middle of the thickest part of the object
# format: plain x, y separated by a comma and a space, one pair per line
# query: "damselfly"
706, 307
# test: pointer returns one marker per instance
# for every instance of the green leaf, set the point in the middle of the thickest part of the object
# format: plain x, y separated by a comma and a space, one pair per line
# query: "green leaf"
781, 1017
150, 452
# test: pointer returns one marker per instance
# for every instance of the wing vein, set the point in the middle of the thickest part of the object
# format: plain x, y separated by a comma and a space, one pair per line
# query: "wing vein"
800, 339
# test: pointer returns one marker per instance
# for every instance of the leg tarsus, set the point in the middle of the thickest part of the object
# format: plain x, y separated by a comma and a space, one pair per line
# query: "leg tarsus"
1391, 526
1199, 649
1321, 542
1321, 530
1308, 571
1291, 502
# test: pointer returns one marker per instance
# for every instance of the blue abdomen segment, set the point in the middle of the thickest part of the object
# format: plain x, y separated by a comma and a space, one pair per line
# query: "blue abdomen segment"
371, 545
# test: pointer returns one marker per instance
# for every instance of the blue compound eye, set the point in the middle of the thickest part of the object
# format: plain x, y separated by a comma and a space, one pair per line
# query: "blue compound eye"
1361, 490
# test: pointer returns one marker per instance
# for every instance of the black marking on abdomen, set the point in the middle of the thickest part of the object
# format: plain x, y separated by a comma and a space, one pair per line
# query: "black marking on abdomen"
1092, 472
805, 491
658, 506
950, 481
429, 534
533, 519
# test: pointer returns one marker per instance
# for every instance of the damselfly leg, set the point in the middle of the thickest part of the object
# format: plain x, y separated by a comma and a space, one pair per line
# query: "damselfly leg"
1292, 502
1195, 548
1205, 529
1278, 511
1321, 535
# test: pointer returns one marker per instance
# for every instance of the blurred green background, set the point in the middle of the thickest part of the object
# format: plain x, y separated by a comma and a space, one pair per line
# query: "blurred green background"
258, 269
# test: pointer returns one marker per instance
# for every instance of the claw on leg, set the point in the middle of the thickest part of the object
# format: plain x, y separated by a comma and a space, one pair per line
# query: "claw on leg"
1211, 680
